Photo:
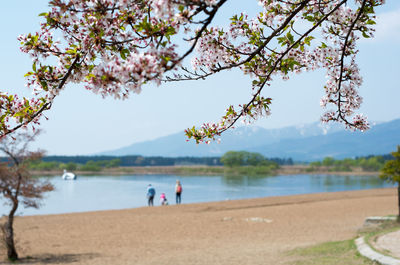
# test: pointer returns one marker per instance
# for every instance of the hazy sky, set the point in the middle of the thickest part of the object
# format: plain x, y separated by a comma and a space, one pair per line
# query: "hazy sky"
83, 123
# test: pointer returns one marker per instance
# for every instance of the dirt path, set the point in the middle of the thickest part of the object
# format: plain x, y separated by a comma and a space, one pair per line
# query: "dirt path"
256, 231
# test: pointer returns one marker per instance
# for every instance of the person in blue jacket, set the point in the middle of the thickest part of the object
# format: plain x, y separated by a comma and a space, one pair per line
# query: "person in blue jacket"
151, 192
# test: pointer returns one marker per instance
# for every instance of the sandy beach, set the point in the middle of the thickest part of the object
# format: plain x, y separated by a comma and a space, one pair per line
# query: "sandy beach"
254, 231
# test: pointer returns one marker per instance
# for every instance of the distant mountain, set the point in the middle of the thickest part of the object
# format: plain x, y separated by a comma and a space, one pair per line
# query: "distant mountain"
242, 138
380, 139
302, 143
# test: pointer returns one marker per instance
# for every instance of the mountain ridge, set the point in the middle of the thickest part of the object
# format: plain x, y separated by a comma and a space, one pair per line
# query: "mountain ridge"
302, 143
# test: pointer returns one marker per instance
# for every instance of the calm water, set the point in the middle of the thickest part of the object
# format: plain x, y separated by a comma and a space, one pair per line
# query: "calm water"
119, 192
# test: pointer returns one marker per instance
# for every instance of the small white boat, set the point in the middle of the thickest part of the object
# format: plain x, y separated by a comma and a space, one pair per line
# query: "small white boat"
68, 175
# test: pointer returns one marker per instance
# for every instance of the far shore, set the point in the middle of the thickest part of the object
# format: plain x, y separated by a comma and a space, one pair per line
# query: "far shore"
195, 170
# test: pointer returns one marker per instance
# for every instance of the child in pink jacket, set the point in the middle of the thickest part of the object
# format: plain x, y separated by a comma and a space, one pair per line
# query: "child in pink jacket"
163, 199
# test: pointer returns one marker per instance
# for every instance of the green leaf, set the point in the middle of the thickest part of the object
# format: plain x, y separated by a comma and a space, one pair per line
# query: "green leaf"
365, 35
308, 40
289, 36
371, 22
70, 51
44, 85
124, 53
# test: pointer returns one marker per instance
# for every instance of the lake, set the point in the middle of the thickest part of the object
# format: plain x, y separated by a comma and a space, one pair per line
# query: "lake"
119, 192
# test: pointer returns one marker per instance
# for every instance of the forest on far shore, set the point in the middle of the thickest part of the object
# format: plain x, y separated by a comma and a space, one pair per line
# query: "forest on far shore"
231, 159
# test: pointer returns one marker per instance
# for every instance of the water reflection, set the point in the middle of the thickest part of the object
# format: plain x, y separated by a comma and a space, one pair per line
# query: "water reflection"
244, 180
119, 192
334, 182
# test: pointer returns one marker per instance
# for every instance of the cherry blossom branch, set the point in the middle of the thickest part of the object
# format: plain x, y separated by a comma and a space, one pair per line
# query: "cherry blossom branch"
44, 107
279, 60
251, 55
345, 45
209, 131
195, 39
116, 47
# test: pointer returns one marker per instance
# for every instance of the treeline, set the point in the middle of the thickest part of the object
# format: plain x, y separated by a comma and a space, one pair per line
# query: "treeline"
71, 166
97, 163
243, 158
367, 163
247, 163
136, 160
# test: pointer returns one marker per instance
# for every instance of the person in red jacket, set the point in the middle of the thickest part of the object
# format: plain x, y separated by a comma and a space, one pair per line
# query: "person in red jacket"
178, 191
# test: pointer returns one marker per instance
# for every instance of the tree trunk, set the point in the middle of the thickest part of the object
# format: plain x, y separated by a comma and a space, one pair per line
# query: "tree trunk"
398, 198
8, 232
9, 239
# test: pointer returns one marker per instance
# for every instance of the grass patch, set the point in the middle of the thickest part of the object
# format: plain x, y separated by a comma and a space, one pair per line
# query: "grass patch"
340, 252
330, 253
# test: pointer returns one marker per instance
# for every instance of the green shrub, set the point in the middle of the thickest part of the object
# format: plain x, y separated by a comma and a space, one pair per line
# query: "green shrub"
90, 166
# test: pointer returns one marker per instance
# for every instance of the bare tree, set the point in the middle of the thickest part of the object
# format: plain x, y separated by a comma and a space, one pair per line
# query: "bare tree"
16, 184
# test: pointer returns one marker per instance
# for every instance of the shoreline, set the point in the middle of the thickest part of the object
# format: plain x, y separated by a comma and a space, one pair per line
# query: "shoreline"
241, 200
249, 231
198, 171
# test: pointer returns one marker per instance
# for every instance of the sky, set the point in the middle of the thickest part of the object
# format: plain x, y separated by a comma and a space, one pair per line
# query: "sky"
81, 123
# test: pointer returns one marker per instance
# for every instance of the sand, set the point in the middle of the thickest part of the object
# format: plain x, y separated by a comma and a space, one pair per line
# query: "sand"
255, 231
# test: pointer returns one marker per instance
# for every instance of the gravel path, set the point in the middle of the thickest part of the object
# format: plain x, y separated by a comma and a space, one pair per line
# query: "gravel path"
391, 243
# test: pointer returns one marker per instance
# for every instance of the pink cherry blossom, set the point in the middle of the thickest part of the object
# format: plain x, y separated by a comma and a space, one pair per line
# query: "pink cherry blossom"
116, 47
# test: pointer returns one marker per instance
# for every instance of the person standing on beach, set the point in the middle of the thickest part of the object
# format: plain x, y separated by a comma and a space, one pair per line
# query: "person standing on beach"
178, 191
151, 192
